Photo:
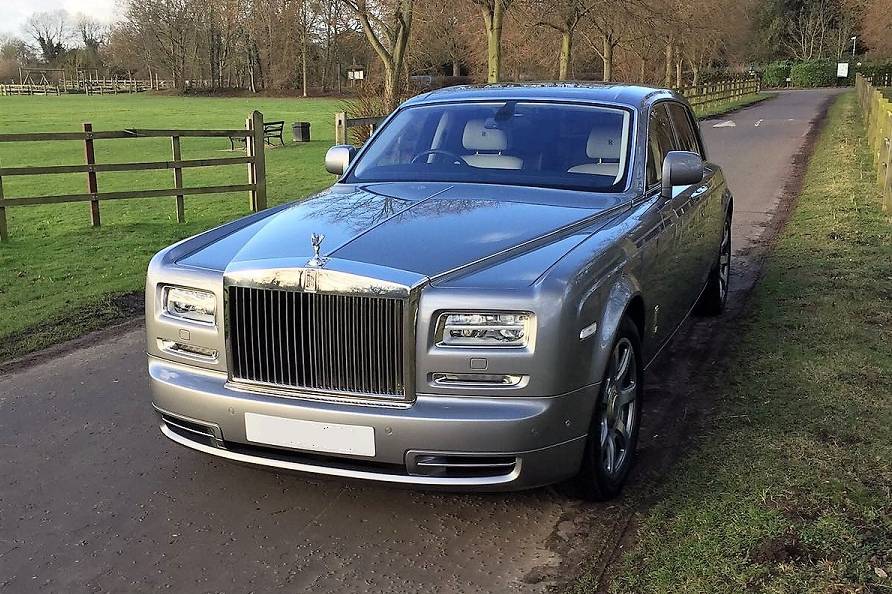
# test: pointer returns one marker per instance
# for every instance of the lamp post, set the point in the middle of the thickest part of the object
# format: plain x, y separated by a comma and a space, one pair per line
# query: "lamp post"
854, 38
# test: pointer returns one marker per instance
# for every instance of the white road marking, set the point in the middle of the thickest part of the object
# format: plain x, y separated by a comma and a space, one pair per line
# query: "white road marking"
727, 124
758, 123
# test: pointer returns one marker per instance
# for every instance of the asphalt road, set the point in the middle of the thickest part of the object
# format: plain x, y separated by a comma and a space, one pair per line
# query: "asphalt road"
92, 498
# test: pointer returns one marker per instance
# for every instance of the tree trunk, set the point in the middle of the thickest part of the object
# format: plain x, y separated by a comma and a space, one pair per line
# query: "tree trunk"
566, 53
670, 52
303, 63
679, 75
493, 58
456, 67
695, 73
391, 84
493, 21
607, 58
253, 84
393, 58
303, 47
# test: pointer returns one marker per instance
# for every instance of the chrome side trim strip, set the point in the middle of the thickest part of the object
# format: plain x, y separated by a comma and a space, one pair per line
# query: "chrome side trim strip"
465, 465
341, 472
190, 430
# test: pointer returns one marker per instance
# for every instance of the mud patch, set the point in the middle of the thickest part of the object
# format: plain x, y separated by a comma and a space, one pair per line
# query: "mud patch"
785, 548
75, 329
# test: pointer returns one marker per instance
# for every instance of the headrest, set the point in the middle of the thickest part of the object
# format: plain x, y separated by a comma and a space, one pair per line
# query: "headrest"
604, 141
479, 138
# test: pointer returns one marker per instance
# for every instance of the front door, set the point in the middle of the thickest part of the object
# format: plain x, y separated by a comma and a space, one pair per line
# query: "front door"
675, 268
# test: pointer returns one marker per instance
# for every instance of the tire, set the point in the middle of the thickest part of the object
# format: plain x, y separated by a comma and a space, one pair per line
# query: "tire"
613, 433
715, 295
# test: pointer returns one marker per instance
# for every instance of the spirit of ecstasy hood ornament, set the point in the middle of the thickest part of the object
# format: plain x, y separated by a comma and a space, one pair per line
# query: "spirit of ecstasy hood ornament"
316, 261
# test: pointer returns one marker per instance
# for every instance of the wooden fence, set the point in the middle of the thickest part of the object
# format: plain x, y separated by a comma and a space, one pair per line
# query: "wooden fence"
699, 96
113, 87
254, 158
717, 92
878, 80
877, 108
343, 125
30, 89
109, 86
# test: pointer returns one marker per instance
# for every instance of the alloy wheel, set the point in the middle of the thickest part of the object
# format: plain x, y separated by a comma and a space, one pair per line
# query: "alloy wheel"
725, 261
618, 408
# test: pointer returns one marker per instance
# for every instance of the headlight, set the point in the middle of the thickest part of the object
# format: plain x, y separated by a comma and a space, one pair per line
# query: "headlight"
190, 304
508, 329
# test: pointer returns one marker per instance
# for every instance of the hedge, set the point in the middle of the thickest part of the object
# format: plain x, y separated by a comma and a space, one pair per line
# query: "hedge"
881, 68
775, 74
813, 73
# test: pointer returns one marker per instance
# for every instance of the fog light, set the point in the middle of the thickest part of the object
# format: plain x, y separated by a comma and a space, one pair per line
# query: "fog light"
476, 379
187, 350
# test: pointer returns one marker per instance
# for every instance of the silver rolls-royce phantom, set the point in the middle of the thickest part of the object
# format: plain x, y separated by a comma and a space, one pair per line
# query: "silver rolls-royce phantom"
472, 305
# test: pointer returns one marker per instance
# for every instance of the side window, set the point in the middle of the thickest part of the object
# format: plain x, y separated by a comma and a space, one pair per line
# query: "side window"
684, 130
659, 142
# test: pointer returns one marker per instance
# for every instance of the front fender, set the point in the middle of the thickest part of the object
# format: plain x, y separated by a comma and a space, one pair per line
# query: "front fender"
619, 296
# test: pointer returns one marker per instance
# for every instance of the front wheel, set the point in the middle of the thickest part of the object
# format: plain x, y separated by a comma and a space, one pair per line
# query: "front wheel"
613, 435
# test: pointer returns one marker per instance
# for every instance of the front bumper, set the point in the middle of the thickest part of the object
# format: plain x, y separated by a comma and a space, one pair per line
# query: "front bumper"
457, 442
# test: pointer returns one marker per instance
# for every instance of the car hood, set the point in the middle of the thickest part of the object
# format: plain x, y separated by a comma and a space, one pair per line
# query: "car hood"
426, 229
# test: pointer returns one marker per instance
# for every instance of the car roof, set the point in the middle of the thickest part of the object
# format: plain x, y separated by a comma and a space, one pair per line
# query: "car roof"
637, 96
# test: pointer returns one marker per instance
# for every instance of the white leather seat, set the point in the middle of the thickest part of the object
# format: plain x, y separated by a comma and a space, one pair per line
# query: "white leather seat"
487, 145
605, 147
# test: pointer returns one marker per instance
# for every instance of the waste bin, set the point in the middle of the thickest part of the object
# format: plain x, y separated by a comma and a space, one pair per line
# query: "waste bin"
301, 131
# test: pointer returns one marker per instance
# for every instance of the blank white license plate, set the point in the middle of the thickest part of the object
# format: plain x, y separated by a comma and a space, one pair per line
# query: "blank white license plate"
331, 438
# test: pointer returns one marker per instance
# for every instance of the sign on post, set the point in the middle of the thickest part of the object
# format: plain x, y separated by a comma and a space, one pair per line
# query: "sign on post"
842, 70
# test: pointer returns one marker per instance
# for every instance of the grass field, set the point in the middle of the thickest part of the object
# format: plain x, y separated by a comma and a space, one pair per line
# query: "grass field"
789, 487
57, 273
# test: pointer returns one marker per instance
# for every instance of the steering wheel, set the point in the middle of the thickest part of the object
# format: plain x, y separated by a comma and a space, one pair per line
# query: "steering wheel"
456, 160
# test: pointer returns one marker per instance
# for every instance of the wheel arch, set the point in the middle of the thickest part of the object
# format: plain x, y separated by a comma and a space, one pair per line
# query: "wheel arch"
624, 299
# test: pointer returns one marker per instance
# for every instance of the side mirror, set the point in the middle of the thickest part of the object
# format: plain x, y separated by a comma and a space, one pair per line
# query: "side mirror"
338, 158
681, 168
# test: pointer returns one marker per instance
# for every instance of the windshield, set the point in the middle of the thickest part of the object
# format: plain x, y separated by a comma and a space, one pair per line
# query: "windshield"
509, 142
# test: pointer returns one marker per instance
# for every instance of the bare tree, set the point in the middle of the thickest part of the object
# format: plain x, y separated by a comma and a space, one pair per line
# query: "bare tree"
387, 26
876, 27
564, 16
441, 36
92, 33
13, 53
50, 31
612, 24
493, 12
167, 29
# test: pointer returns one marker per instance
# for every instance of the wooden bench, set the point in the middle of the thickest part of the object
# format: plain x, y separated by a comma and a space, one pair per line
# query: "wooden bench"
271, 131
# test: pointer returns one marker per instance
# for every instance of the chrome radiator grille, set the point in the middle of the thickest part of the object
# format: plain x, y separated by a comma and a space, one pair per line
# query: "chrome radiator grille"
316, 341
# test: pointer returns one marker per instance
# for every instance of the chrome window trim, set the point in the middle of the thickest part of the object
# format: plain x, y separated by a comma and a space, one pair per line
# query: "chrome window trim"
633, 127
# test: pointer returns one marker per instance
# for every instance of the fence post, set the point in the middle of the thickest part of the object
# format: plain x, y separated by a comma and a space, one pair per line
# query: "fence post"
257, 166
178, 178
341, 128
887, 182
90, 158
4, 232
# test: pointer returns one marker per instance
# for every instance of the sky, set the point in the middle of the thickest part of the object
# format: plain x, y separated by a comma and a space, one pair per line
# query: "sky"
14, 12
